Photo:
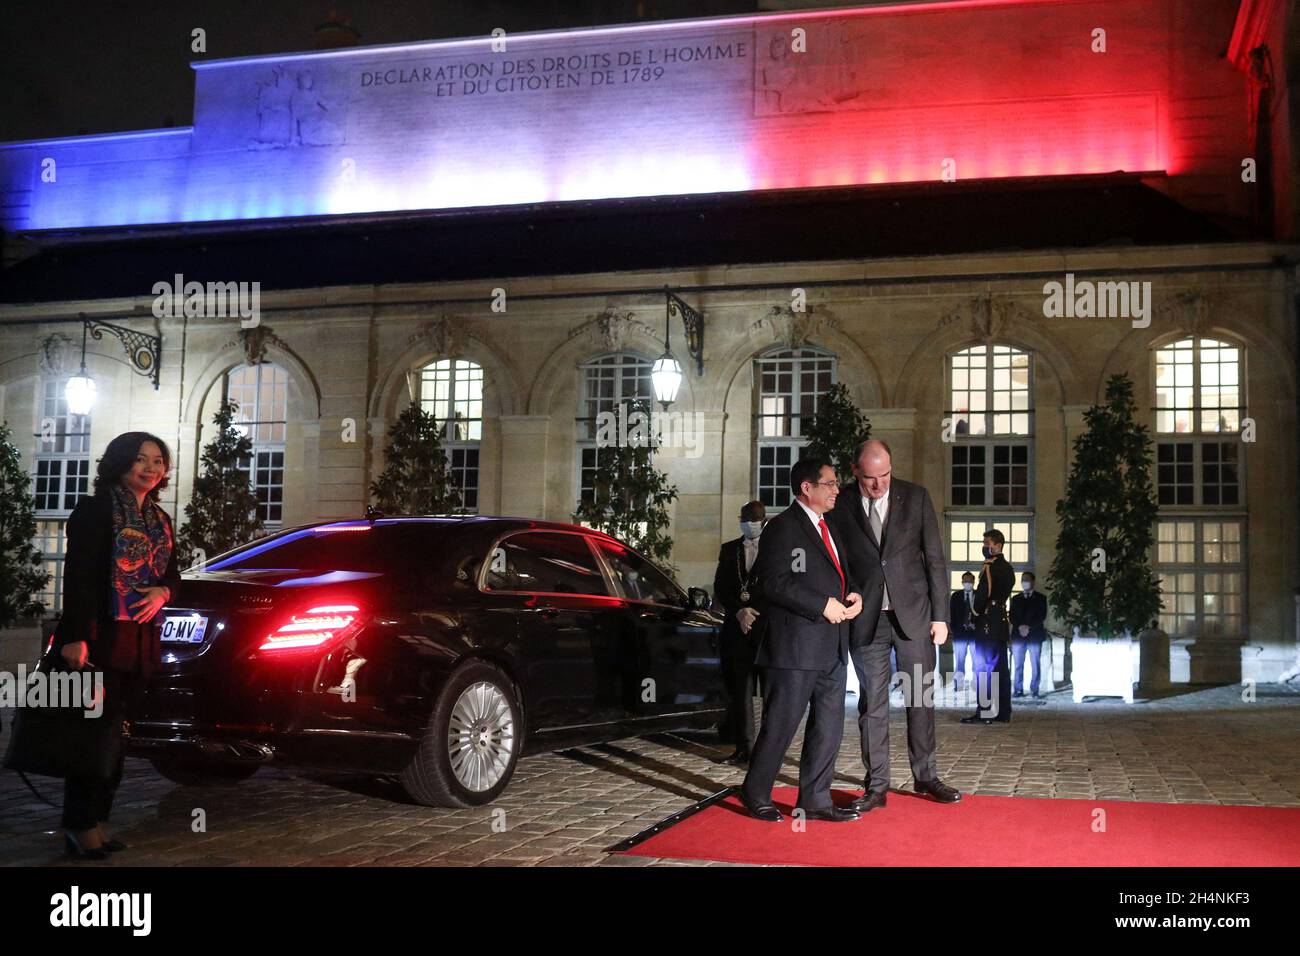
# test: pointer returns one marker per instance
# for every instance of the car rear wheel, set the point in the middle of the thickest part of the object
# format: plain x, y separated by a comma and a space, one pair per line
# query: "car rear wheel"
471, 744
199, 773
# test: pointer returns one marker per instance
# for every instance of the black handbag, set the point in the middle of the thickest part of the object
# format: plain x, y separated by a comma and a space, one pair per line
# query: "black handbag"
63, 741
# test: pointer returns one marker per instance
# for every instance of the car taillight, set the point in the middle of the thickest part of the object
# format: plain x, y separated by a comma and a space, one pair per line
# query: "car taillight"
314, 628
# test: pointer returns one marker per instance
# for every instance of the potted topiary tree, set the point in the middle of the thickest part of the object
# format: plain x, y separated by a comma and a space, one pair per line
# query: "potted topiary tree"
416, 479
1101, 583
222, 511
630, 496
837, 429
21, 573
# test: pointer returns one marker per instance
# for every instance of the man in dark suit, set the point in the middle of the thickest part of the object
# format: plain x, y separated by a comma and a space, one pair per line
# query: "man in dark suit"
992, 678
889, 525
1028, 616
736, 593
805, 576
961, 609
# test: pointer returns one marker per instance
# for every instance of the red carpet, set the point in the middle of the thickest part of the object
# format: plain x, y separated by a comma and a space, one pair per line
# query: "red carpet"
991, 831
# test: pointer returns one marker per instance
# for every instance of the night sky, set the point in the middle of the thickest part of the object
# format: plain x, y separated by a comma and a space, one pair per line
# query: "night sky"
70, 68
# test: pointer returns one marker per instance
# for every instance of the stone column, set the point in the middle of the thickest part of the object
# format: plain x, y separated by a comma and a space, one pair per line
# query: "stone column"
524, 465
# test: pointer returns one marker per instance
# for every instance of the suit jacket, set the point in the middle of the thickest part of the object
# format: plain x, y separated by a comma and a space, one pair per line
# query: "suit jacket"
797, 636
992, 588
729, 580
87, 570
960, 617
910, 560
1031, 611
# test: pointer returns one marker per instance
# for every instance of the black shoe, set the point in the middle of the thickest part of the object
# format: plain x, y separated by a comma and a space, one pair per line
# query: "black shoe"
974, 719
766, 812
1019, 693
830, 814
869, 801
738, 758
115, 846
1037, 696
74, 849
939, 790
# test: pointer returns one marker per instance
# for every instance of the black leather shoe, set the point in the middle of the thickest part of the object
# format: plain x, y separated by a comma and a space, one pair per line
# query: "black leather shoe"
115, 846
939, 790
74, 849
975, 719
738, 758
830, 814
869, 801
766, 812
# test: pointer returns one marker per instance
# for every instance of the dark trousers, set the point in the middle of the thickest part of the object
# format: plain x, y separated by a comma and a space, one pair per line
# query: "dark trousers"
1020, 647
992, 680
915, 658
786, 695
741, 678
89, 800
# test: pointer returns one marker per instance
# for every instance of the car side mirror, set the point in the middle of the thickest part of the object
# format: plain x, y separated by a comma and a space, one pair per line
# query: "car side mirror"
697, 599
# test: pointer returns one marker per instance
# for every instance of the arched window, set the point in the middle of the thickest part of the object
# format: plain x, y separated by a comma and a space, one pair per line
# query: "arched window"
607, 386
788, 383
1201, 533
262, 394
990, 418
452, 391
60, 477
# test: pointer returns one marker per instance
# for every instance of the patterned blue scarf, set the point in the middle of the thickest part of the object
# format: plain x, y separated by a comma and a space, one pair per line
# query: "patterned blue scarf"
142, 546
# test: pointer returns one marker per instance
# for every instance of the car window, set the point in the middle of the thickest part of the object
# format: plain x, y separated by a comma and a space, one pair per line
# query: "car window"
350, 547
639, 579
548, 562
423, 551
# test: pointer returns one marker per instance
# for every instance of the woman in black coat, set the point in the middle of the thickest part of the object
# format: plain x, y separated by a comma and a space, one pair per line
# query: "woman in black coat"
119, 571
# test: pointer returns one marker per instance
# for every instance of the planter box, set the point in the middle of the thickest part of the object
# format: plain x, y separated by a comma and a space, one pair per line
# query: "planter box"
1104, 668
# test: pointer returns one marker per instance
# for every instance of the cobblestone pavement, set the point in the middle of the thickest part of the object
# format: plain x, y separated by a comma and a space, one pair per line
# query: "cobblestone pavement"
1197, 745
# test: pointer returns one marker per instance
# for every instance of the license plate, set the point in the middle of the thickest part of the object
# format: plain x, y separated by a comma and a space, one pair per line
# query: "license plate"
184, 628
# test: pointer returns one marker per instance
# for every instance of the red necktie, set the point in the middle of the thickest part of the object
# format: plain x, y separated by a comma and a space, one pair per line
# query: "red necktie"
826, 540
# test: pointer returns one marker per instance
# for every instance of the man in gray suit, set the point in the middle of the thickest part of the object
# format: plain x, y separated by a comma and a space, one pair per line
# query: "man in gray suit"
891, 524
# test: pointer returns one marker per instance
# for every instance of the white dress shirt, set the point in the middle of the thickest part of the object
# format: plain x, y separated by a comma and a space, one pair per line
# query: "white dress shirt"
881, 505
816, 519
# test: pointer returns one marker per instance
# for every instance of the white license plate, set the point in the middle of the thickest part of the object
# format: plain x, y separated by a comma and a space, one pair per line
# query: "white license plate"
184, 628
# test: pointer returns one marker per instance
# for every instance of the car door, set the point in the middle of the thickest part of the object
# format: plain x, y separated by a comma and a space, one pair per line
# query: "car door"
569, 626
671, 663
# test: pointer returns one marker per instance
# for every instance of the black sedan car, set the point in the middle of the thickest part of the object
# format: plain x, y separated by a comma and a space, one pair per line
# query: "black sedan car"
436, 650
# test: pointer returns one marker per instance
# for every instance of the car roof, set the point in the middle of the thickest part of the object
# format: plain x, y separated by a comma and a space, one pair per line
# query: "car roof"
485, 522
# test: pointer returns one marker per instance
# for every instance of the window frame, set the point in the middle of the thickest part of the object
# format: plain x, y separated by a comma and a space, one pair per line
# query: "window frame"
63, 422
485, 564
453, 446
1199, 568
795, 441
269, 446
990, 519
583, 443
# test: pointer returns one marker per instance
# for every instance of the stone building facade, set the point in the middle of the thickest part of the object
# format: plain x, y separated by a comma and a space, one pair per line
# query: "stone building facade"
929, 306
898, 334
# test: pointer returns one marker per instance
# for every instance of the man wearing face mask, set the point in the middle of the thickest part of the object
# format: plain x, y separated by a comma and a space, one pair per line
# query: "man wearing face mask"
1028, 614
961, 612
736, 593
996, 581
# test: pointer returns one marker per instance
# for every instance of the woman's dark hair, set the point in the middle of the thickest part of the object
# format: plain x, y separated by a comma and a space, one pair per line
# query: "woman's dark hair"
119, 457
